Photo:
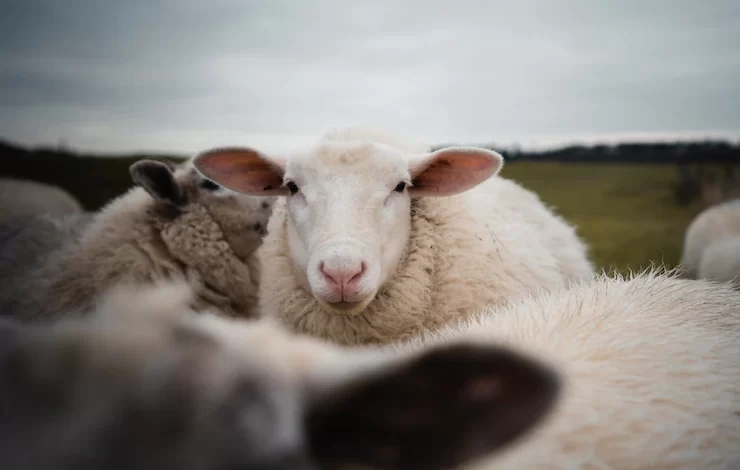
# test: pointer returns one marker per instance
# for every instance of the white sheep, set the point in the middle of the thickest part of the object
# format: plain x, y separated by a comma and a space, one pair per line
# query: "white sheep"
22, 197
713, 225
377, 237
720, 261
173, 223
615, 373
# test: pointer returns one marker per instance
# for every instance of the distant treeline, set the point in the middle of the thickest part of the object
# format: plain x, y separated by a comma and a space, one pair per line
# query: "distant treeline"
97, 179
94, 180
720, 152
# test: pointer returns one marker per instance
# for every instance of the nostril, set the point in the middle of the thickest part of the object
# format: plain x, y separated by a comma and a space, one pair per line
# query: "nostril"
359, 274
326, 274
258, 226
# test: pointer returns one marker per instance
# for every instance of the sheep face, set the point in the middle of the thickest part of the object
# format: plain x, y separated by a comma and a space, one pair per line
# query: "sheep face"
206, 393
241, 218
348, 206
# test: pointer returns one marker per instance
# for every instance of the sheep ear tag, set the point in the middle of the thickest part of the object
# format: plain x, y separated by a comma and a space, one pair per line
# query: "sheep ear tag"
242, 169
440, 410
158, 179
453, 170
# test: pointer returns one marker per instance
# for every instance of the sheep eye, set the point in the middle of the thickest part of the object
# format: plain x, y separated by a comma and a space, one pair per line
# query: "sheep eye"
209, 185
400, 187
292, 187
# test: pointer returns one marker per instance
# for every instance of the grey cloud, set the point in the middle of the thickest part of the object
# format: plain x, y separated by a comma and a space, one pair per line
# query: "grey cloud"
180, 74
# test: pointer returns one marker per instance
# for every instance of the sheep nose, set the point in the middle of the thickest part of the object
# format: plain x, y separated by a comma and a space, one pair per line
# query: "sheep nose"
346, 276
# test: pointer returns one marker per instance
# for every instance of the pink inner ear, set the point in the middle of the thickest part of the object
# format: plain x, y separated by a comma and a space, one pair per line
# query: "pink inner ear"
242, 169
452, 171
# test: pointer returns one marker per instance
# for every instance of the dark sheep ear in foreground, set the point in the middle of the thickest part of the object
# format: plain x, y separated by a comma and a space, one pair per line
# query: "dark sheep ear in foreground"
244, 170
443, 409
158, 179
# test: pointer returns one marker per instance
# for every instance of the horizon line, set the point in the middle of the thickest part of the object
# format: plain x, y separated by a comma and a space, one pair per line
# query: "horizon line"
525, 143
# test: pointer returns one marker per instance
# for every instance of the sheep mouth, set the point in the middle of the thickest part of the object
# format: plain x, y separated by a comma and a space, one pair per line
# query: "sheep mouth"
345, 305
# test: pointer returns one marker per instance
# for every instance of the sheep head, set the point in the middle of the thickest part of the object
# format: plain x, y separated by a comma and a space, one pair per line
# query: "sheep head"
348, 204
241, 219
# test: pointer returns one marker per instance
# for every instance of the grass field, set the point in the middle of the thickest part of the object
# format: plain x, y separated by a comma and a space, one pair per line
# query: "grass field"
626, 213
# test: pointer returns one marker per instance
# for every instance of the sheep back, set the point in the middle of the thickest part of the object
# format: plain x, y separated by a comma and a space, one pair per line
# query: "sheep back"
650, 370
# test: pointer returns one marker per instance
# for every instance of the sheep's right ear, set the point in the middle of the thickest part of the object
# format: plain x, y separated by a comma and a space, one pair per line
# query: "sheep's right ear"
452, 170
244, 170
158, 179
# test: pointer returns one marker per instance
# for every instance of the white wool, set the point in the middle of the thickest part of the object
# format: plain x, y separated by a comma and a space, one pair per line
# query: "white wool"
721, 261
651, 370
714, 224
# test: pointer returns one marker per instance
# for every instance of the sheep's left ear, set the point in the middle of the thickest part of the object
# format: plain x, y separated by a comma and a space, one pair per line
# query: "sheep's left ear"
453, 170
443, 409
158, 179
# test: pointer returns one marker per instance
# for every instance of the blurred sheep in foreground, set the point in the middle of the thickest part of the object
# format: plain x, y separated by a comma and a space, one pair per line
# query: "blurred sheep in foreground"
615, 373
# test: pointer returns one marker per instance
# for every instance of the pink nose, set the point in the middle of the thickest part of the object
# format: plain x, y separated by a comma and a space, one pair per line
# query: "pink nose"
345, 277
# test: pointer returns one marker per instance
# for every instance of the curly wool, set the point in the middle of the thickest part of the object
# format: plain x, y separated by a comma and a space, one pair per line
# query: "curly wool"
465, 252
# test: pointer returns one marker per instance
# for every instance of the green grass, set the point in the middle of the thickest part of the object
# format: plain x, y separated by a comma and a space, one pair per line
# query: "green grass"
626, 213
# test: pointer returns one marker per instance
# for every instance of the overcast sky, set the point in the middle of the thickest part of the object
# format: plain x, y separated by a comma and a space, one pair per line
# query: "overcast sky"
184, 75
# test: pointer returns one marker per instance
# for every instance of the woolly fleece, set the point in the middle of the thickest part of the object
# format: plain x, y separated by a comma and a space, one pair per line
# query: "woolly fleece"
714, 224
721, 261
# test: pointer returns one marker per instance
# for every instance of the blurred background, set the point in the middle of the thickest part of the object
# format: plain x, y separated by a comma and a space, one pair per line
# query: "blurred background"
624, 116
